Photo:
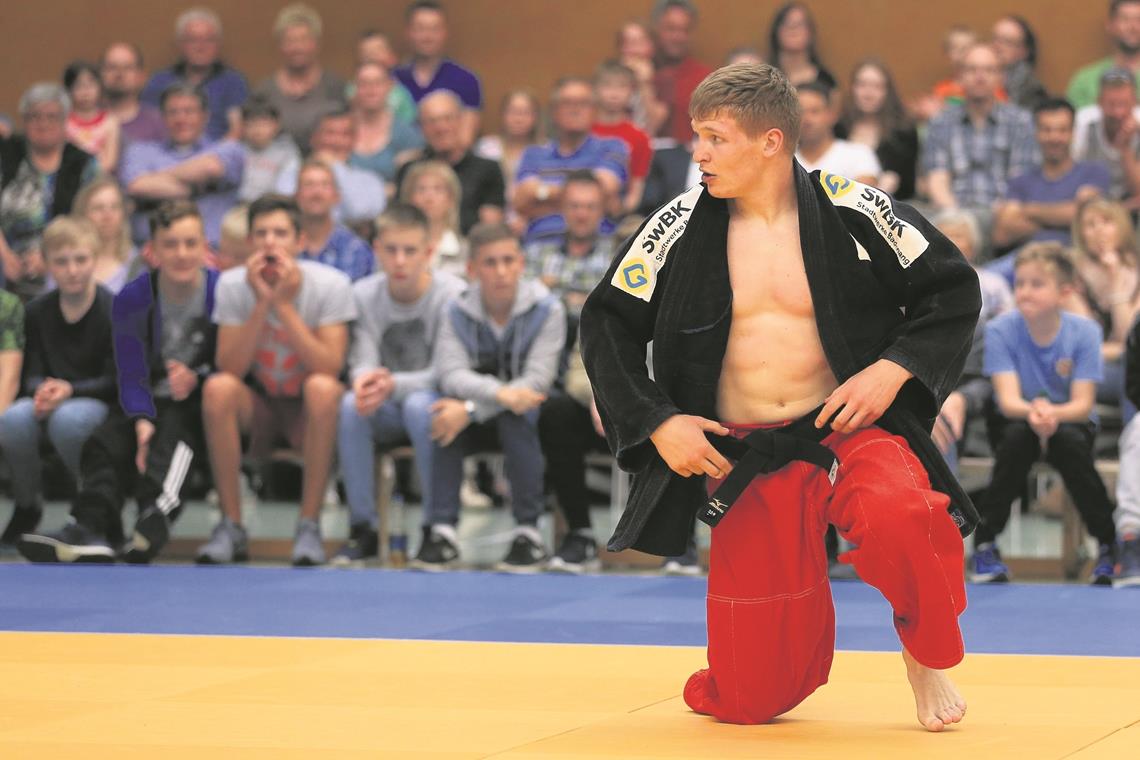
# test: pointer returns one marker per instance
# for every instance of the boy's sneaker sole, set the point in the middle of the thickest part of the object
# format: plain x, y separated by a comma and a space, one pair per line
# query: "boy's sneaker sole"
1126, 582
151, 534
432, 567
36, 548
989, 577
507, 567
238, 559
559, 565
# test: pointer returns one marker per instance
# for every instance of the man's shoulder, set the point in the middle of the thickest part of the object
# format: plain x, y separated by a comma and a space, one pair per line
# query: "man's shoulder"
458, 72
1090, 72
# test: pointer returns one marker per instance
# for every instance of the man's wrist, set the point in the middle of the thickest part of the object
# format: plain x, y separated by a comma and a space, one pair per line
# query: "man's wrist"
469, 407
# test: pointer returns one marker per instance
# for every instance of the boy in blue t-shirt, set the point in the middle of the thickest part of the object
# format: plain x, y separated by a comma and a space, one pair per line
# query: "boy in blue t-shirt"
1044, 364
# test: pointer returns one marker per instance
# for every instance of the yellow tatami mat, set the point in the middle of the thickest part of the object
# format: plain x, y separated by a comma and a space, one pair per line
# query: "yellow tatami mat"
95, 696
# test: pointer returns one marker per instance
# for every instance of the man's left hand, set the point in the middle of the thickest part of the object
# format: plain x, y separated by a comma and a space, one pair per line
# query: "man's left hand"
863, 398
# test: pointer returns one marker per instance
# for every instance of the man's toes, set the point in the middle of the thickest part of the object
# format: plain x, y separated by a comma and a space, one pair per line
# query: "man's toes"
933, 723
961, 705
954, 713
948, 715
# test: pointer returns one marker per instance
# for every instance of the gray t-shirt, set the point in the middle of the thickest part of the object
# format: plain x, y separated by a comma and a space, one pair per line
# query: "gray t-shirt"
181, 340
399, 336
325, 298
263, 167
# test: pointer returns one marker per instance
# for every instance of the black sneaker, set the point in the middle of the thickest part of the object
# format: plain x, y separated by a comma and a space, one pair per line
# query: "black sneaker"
72, 543
527, 554
363, 544
24, 520
578, 554
152, 530
439, 549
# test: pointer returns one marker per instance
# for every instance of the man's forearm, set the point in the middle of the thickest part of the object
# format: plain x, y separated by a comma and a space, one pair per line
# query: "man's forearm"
198, 170
1054, 215
236, 356
158, 186
938, 185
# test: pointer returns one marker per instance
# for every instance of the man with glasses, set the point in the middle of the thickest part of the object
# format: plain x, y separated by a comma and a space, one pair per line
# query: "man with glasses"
543, 169
122, 73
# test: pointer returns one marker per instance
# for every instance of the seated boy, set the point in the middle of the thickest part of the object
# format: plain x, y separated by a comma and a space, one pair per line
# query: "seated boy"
497, 356
394, 337
1044, 364
267, 149
164, 350
282, 337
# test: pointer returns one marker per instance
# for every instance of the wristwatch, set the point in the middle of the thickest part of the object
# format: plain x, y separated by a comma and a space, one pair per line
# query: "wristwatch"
469, 407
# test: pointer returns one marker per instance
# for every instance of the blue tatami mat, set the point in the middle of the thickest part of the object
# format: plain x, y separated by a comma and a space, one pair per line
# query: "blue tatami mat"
471, 606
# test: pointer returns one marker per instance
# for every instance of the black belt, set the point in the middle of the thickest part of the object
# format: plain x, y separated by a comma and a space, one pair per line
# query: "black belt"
766, 450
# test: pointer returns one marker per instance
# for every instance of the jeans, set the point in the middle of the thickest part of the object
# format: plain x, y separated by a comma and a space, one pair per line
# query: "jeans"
67, 428
1128, 483
394, 423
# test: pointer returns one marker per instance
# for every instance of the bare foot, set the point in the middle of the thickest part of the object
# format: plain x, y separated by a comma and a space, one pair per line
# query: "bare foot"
939, 703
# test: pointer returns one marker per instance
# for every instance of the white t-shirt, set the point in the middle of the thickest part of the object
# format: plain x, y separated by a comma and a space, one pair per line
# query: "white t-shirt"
847, 159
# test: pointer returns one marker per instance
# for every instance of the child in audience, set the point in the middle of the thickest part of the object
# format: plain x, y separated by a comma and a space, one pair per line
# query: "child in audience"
399, 312
283, 329
267, 149
1044, 363
614, 87
164, 350
90, 126
496, 358
433, 188
68, 368
233, 245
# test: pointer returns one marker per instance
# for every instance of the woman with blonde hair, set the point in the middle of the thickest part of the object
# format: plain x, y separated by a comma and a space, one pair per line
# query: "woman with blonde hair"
103, 203
433, 188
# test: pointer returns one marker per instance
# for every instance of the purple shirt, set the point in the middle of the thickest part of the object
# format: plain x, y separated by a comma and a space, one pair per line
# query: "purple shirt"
345, 251
1035, 187
449, 76
225, 90
147, 126
213, 201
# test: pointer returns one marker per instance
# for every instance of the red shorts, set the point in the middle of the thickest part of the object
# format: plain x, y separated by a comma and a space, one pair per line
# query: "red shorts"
771, 622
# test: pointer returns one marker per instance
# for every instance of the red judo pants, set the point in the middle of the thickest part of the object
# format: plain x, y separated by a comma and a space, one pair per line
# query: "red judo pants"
771, 621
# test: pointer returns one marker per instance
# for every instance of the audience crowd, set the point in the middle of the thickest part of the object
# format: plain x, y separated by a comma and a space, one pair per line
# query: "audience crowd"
197, 272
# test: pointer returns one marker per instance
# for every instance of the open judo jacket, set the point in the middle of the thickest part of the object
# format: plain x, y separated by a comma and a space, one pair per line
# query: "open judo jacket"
885, 284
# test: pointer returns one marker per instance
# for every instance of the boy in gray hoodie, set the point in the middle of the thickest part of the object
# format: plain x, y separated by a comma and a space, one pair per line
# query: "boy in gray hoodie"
496, 357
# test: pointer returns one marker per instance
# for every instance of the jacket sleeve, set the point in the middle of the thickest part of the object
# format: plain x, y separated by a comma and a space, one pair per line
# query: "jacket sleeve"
541, 367
928, 278
457, 378
129, 331
616, 327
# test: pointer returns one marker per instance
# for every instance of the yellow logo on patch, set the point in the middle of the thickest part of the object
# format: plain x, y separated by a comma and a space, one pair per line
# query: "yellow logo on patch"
634, 275
836, 186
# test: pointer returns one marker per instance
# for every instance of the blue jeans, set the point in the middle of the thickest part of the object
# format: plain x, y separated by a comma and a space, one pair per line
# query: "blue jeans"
517, 436
68, 428
393, 424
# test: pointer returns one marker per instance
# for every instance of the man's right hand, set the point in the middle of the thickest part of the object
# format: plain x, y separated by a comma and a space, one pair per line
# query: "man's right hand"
371, 390
255, 267
144, 431
519, 399
681, 442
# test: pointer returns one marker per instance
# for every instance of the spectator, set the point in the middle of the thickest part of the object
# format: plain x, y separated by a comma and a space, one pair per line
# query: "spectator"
198, 34
791, 42
375, 47
1044, 364
678, 72
873, 115
973, 149
614, 89
1128, 484
301, 90
1016, 46
955, 44
164, 346
325, 241
68, 371
90, 126
818, 148
187, 166
233, 248
362, 194
973, 395
399, 313
268, 151
40, 174
519, 129
484, 192
11, 363
637, 51
1107, 133
382, 137
117, 260
544, 168
1042, 203
283, 324
573, 263
121, 72
429, 70
497, 356
433, 188
671, 172
1123, 26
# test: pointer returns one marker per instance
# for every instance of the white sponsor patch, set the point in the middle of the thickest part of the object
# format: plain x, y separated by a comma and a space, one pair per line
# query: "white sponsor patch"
906, 241
637, 272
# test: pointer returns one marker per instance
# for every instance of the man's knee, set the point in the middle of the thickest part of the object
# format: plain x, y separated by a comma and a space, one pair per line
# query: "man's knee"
321, 393
222, 393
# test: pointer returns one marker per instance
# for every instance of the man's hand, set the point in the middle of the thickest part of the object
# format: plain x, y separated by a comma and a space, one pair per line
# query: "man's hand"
255, 267
863, 398
49, 396
449, 419
681, 442
596, 419
1042, 419
371, 390
288, 281
951, 422
144, 431
518, 399
183, 380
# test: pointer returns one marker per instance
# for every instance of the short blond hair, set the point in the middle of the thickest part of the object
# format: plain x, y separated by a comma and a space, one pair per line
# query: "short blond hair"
1051, 255
756, 95
69, 232
298, 14
235, 224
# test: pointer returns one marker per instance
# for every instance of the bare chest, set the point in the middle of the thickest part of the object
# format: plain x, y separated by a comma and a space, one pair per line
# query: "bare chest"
766, 270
